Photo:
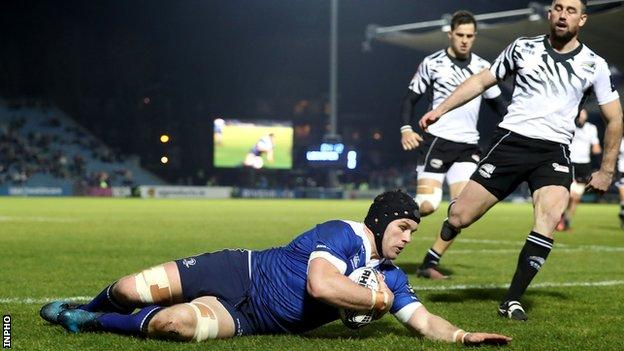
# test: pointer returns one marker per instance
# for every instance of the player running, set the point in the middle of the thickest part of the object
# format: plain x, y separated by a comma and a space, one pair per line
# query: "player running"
620, 184
265, 145
450, 147
289, 289
585, 140
554, 74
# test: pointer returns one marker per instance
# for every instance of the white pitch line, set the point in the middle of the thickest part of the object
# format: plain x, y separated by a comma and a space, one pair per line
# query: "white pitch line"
556, 249
41, 300
37, 219
477, 241
537, 285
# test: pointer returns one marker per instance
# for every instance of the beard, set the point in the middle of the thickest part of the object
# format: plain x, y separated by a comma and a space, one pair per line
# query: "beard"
561, 38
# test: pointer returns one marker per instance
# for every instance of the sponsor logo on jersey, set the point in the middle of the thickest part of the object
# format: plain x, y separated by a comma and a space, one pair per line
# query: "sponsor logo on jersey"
436, 163
588, 66
189, 262
355, 261
561, 168
486, 170
410, 288
528, 48
536, 262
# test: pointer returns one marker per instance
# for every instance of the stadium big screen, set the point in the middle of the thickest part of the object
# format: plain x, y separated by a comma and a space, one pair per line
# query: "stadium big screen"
255, 144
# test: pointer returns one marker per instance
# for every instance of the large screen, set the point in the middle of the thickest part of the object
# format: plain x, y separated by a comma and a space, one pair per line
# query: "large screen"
255, 144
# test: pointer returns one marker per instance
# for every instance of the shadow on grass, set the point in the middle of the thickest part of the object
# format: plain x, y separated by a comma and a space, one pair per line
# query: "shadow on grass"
375, 330
493, 294
410, 268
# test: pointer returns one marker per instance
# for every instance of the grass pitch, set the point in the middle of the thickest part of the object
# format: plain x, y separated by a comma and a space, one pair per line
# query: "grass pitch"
72, 247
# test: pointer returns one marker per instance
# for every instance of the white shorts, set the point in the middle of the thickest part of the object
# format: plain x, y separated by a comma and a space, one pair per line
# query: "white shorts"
458, 172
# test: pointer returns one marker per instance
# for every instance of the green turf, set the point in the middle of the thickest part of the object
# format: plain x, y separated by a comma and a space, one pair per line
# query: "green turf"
74, 247
238, 140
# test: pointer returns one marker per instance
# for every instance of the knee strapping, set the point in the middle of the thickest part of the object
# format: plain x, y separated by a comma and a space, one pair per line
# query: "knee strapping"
577, 188
207, 326
152, 285
448, 232
433, 199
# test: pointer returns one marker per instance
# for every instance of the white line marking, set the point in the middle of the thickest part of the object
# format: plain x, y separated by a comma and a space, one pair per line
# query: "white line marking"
42, 300
556, 249
37, 219
536, 285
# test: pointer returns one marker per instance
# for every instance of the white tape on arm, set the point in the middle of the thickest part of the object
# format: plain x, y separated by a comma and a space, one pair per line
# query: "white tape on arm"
405, 314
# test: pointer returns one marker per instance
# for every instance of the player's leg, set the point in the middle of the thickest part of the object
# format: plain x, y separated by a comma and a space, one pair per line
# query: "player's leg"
429, 192
249, 159
582, 172
201, 319
457, 176
496, 177
471, 204
431, 173
576, 193
549, 182
549, 203
156, 285
620, 185
224, 274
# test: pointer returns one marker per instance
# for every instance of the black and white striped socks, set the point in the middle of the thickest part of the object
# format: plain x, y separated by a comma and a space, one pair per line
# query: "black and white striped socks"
532, 257
432, 259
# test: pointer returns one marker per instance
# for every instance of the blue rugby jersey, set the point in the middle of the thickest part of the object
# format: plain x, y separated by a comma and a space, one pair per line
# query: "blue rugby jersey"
279, 297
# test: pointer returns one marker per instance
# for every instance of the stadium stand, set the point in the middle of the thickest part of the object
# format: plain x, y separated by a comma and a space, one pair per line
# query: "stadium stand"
43, 146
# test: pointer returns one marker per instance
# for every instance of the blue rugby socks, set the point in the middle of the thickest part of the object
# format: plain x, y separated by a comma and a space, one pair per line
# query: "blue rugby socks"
133, 324
106, 302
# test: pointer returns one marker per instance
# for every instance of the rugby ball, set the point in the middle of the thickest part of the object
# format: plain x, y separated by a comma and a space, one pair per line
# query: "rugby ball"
257, 162
366, 277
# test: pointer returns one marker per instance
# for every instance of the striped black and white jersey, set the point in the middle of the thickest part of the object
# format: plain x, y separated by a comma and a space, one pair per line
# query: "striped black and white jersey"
550, 87
583, 139
441, 74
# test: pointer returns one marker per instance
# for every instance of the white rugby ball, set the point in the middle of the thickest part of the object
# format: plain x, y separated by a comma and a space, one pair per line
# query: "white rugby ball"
257, 162
366, 277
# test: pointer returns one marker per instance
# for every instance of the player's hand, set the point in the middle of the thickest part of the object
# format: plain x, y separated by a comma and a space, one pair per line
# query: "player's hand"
383, 287
476, 339
428, 119
599, 182
410, 140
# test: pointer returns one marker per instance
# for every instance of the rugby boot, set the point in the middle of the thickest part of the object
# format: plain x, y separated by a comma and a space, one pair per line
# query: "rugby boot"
512, 310
77, 320
51, 311
430, 273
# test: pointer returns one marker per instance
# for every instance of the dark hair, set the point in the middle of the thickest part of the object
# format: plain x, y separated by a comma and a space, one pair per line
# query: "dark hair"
583, 5
462, 17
